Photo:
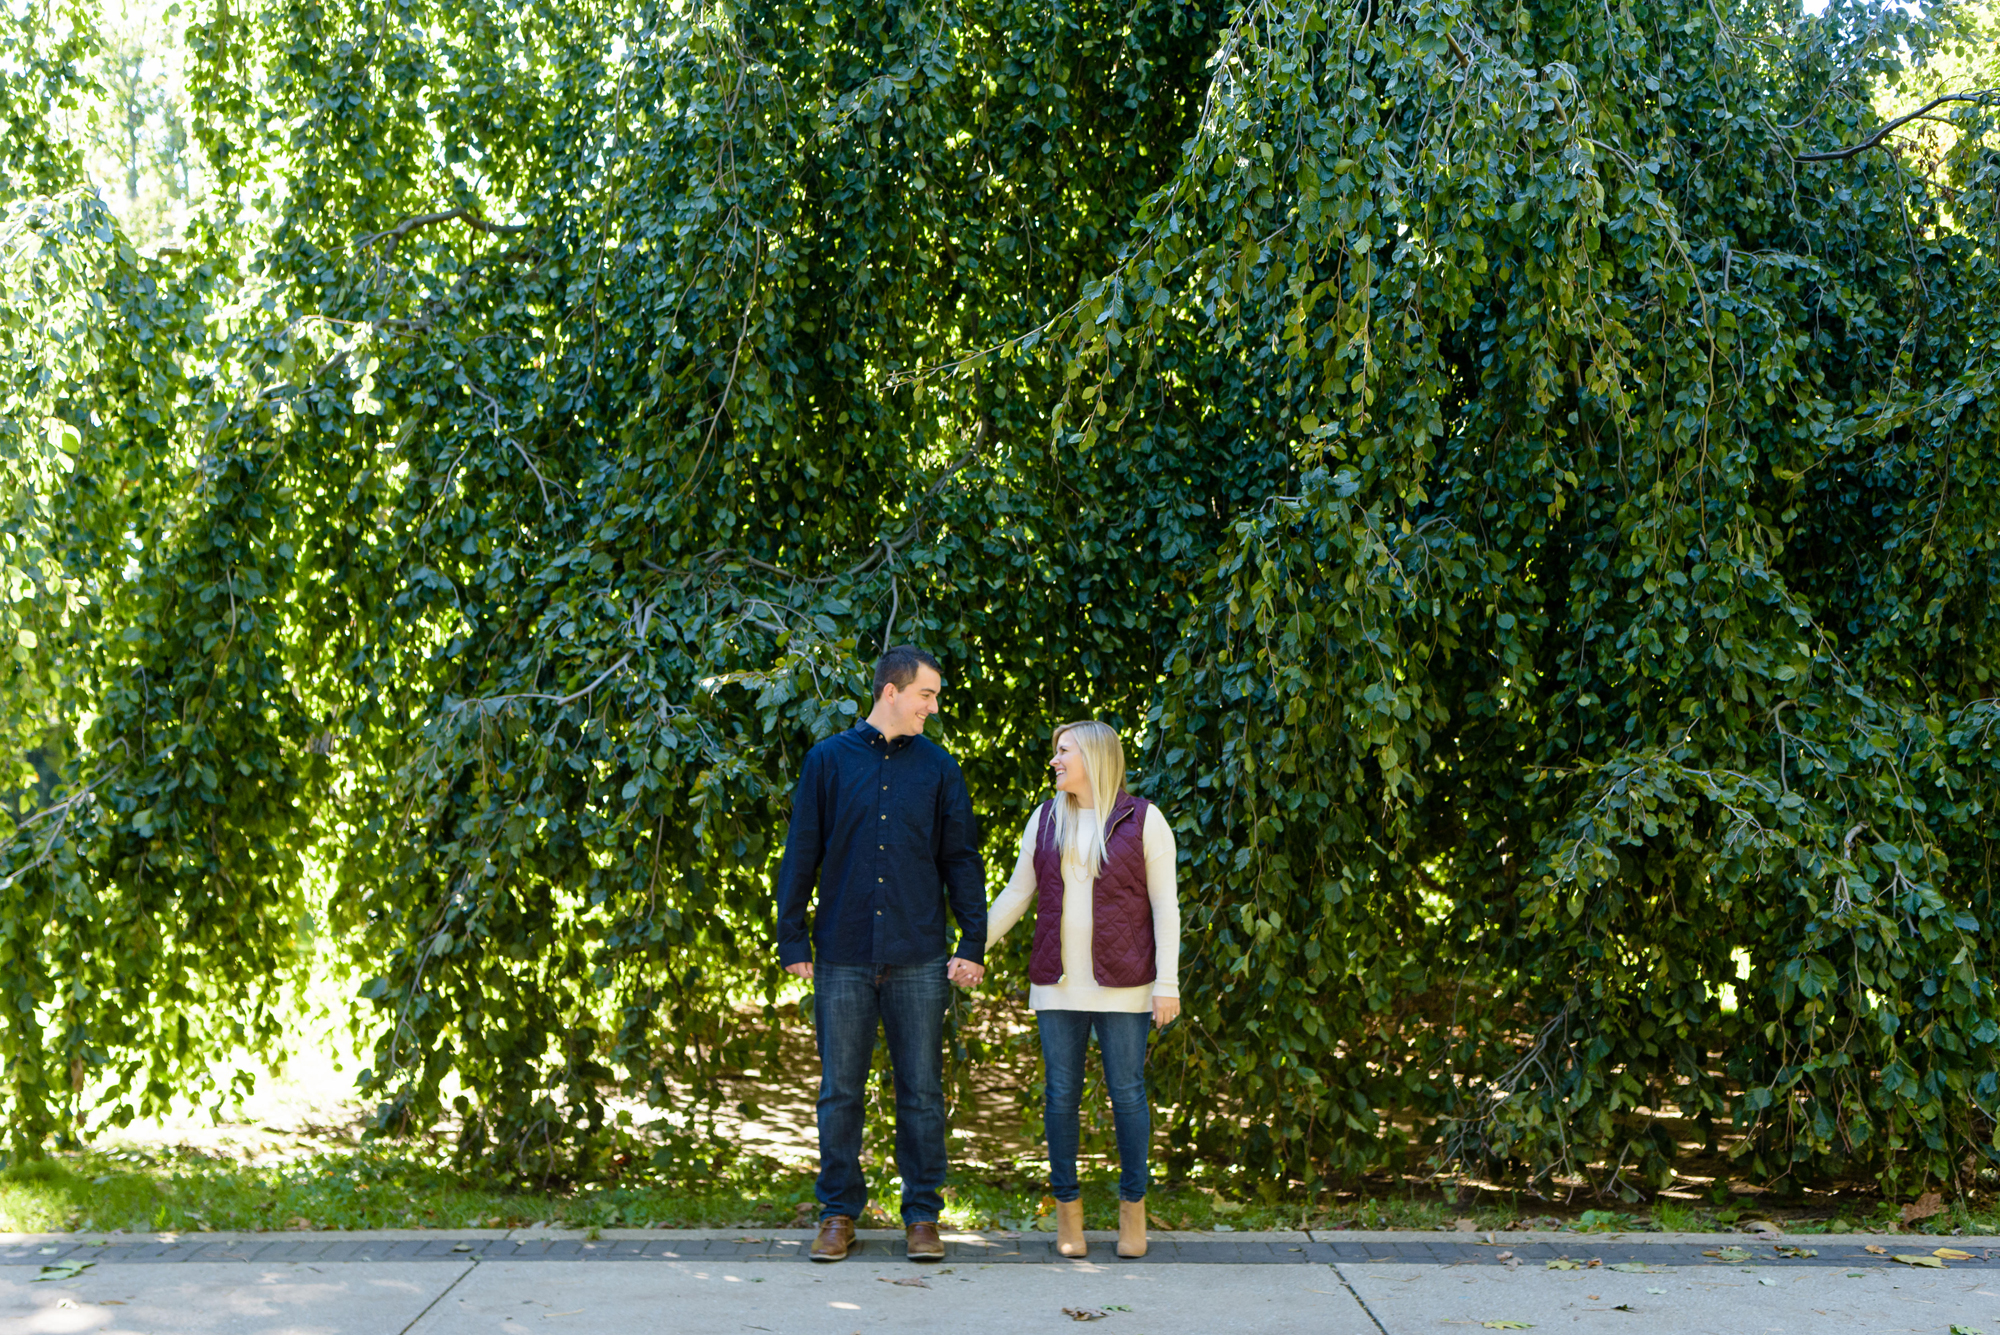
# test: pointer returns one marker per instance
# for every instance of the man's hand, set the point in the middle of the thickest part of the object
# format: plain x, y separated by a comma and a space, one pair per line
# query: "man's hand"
804, 969
1164, 1011
964, 972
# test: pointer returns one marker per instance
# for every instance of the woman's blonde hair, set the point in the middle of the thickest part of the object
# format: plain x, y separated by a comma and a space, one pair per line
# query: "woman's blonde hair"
1078, 831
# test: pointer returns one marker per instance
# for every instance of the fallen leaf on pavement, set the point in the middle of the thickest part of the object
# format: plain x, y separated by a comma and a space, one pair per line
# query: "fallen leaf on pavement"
1923, 1207
1762, 1280
1876, 1248
1503, 1256
1083, 1314
1507, 1325
1730, 1254
1927, 1262
1653, 1290
1634, 1268
64, 1270
1564, 1264
1465, 1226
911, 1283
1761, 1226
1798, 1253
1952, 1254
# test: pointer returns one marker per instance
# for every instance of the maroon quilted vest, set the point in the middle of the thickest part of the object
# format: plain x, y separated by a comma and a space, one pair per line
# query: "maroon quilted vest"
1121, 926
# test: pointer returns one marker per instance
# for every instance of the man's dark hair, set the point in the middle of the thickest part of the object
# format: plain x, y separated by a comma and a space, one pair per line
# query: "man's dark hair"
899, 666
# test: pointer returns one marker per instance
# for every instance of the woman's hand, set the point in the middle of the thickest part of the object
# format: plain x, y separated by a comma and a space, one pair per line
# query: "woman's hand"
1164, 1011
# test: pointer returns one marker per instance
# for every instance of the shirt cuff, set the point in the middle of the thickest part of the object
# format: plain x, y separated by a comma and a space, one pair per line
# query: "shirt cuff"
1172, 990
795, 952
970, 949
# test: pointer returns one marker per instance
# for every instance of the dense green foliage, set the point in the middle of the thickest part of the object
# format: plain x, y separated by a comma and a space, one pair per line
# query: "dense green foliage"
1536, 528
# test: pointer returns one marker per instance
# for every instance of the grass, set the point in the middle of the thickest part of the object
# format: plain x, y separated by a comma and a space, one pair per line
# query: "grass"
185, 1191
378, 1187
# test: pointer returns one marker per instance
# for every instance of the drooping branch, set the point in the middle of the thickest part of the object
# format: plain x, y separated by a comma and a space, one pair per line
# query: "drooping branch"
491, 703
1882, 132
878, 551
409, 225
519, 449
61, 812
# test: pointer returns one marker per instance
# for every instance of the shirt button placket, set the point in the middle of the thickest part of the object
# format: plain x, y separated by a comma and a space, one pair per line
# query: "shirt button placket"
881, 817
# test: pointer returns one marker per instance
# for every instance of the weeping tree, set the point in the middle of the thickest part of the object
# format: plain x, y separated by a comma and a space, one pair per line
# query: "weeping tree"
1602, 727
1520, 476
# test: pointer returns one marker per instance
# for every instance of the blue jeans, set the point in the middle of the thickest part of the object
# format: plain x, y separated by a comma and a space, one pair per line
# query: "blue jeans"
908, 1001
1121, 1043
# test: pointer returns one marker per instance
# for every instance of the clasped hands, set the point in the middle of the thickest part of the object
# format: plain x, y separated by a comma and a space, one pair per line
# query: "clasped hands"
961, 971
967, 975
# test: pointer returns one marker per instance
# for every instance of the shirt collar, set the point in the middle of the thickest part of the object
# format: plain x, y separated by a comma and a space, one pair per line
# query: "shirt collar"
872, 735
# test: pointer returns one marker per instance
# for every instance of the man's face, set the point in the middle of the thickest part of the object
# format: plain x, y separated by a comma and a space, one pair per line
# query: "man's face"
910, 706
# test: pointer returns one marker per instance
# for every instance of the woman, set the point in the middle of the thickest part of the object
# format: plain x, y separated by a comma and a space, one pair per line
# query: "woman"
1098, 864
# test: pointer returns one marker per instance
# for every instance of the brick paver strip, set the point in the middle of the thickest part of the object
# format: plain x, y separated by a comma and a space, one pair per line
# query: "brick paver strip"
984, 1251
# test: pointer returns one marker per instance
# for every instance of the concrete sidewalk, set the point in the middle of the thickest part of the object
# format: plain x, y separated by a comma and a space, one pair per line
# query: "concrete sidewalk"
534, 1281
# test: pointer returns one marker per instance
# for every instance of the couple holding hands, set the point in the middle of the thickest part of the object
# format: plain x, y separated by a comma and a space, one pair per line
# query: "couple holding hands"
883, 828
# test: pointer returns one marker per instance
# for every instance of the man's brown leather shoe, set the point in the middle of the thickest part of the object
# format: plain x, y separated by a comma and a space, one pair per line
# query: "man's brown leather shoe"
922, 1241
836, 1235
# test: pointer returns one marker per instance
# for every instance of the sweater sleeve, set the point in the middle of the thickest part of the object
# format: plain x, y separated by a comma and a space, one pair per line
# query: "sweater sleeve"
1162, 888
1020, 891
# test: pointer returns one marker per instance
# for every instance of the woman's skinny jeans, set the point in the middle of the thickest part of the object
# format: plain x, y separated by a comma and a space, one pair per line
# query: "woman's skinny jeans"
1121, 1043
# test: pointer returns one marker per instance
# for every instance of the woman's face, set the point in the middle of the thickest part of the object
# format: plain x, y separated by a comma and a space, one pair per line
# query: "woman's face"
1072, 775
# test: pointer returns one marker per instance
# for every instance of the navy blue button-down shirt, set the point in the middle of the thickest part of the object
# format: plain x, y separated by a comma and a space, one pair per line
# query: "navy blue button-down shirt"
886, 830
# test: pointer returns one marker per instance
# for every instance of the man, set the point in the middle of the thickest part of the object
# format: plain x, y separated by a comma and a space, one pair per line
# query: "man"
882, 823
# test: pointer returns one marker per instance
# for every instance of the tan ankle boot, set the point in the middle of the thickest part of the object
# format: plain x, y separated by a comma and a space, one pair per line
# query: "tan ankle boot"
1069, 1228
1131, 1228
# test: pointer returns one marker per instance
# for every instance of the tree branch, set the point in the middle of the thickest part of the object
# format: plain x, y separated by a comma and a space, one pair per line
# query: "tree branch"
409, 225
61, 811
526, 458
879, 550
63, 807
1881, 133
491, 703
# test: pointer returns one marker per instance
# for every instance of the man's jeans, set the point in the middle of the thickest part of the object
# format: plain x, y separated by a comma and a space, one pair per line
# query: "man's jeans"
1121, 1042
908, 1000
